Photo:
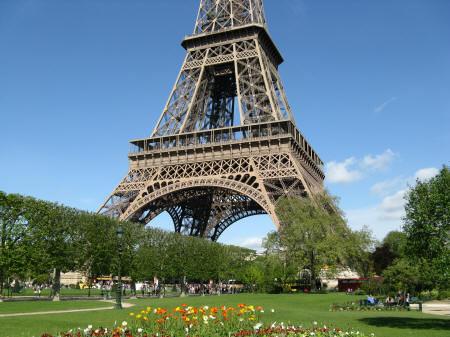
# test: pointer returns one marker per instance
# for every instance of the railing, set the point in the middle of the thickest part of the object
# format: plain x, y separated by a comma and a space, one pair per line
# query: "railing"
250, 132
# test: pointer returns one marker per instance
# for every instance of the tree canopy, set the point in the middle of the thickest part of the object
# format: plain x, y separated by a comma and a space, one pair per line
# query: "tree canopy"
426, 224
313, 235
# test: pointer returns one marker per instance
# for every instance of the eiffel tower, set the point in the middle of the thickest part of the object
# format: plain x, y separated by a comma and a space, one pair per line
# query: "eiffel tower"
226, 145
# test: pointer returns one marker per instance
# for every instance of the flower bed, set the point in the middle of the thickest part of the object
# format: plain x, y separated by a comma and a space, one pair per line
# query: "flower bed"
352, 306
204, 321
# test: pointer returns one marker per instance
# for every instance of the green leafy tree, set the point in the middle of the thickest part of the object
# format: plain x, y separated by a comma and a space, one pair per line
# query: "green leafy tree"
427, 227
97, 245
253, 277
14, 237
54, 229
402, 276
392, 248
277, 269
314, 234
397, 242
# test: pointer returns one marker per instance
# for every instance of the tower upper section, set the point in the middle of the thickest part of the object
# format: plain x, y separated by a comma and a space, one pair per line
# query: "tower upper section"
219, 15
230, 74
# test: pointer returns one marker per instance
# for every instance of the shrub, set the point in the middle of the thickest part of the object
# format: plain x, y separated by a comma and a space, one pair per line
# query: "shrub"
444, 294
434, 294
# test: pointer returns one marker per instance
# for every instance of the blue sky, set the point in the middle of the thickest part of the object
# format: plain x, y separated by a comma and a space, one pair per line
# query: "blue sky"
368, 82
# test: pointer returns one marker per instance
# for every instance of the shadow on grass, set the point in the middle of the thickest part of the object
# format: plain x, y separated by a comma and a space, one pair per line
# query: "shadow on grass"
408, 323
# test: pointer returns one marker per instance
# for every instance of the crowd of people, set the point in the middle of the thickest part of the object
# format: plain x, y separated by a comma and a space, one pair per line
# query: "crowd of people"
399, 300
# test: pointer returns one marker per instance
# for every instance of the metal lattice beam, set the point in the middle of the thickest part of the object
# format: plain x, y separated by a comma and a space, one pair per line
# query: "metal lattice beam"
200, 165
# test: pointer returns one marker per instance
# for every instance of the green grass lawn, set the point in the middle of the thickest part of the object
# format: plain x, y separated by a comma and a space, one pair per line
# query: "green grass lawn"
17, 307
63, 292
296, 309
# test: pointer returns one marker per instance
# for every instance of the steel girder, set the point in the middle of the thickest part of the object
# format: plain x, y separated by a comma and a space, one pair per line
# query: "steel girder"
217, 15
222, 75
199, 166
204, 198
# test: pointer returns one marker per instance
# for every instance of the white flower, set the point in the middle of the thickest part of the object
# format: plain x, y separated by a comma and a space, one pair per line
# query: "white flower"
273, 310
187, 330
139, 330
212, 317
257, 326
124, 323
206, 307
262, 310
315, 323
86, 330
241, 319
273, 325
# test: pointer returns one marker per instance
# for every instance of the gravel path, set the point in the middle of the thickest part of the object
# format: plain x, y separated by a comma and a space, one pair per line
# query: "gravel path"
124, 305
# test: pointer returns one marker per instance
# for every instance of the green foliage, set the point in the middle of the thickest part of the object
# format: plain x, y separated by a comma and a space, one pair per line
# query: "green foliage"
397, 242
393, 247
402, 275
427, 226
382, 258
40, 238
14, 236
173, 256
313, 234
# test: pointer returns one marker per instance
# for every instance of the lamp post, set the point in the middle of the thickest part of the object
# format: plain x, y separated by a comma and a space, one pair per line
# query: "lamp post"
119, 280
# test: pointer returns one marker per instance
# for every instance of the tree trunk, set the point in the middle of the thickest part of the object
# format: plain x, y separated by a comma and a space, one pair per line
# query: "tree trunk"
56, 284
133, 288
183, 286
313, 273
2, 281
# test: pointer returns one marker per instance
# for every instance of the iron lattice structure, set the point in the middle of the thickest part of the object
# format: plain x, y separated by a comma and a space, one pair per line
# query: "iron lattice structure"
226, 145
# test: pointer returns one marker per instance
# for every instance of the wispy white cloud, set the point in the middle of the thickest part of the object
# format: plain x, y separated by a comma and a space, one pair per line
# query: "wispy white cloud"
380, 108
254, 242
339, 173
353, 169
386, 187
372, 217
387, 215
392, 207
426, 173
379, 161
381, 218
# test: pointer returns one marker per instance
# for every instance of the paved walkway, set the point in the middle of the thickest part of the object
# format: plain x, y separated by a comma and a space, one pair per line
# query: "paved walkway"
437, 308
124, 305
